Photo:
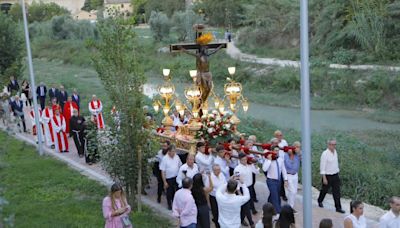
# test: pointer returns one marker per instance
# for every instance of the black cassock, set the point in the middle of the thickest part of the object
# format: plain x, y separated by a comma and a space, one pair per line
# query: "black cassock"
78, 132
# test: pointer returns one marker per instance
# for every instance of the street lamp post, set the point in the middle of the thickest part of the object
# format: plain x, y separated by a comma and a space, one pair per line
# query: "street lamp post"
305, 114
32, 77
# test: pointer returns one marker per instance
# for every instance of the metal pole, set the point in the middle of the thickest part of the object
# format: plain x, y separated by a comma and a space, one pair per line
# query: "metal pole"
32, 77
305, 115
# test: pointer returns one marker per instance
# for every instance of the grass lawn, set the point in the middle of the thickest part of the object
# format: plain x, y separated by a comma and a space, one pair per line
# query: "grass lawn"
43, 192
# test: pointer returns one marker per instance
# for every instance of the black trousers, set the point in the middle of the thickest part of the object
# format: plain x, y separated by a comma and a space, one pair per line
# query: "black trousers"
79, 141
282, 192
157, 174
231, 170
245, 212
23, 121
42, 101
172, 187
245, 209
334, 182
252, 192
203, 216
214, 210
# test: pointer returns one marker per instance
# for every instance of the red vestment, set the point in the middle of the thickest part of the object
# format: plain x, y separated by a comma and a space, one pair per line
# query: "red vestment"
96, 107
69, 107
59, 127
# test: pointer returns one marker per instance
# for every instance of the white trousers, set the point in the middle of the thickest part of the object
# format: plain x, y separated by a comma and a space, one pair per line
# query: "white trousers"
48, 135
291, 190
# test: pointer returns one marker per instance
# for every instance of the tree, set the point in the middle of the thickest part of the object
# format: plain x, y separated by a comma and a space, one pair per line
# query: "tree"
183, 23
225, 13
11, 48
92, 5
45, 11
169, 7
118, 63
159, 25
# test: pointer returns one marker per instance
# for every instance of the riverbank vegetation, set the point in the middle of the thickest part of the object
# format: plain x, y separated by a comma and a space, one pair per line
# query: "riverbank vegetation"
364, 160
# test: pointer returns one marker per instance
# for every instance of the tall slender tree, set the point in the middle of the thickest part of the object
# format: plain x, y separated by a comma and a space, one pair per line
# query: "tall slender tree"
118, 63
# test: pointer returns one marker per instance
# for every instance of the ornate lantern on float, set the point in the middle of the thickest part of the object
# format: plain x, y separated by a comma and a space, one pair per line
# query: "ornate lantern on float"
166, 91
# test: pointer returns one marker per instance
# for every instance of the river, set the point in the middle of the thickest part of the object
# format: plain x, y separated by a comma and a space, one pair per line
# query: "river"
285, 117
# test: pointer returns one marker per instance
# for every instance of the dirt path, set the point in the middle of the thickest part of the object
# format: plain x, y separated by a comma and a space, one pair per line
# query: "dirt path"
97, 173
236, 53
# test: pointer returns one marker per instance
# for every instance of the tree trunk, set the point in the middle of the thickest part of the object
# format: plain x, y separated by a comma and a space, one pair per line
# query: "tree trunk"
139, 183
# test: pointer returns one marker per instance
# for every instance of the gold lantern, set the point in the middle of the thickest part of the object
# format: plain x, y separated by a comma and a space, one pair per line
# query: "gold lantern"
166, 91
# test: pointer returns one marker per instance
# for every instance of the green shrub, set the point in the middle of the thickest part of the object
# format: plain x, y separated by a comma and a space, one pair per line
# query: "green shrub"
11, 49
159, 25
64, 27
38, 11
343, 56
183, 24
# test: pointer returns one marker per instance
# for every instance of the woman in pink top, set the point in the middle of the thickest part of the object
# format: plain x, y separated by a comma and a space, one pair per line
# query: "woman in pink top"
116, 209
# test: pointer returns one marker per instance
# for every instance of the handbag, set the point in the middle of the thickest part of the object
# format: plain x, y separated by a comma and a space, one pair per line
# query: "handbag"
126, 222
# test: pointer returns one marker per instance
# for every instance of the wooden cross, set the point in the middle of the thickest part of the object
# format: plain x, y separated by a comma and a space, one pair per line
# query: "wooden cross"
202, 54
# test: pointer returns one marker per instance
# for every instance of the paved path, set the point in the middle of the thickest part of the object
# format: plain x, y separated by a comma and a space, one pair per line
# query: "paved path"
236, 53
97, 173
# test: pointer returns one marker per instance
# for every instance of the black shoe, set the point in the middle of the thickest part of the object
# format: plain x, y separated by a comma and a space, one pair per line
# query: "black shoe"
284, 198
169, 207
159, 199
340, 211
244, 223
255, 201
320, 205
254, 212
52, 147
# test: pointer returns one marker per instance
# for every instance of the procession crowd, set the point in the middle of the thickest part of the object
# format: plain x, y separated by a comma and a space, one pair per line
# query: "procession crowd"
221, 179
59, 117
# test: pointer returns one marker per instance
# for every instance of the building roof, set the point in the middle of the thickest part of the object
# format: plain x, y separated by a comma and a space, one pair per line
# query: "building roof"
116, 1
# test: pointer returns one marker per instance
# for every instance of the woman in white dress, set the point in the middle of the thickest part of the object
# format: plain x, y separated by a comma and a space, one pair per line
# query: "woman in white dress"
356, 219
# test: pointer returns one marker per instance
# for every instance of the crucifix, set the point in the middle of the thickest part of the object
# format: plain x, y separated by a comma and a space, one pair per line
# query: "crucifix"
202, 52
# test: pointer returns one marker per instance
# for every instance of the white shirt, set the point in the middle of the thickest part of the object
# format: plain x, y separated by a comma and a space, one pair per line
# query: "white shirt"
170, 166
234, 161
270, 166
245, 172
204, 161
357, 223
217, 181
41, 91
329, 163
389, 220
190, 172
229, 206
224, 166
282, 144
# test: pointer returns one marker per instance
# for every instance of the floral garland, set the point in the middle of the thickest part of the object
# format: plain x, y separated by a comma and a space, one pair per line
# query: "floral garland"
205, 39
216, 128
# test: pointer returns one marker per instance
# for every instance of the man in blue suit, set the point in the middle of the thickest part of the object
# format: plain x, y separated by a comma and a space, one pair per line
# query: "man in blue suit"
76, 98
53, 93
62, 97
17, 108
41, 92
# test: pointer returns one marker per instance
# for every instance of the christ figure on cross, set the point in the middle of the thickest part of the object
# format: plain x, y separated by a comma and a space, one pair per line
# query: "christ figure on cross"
204, 76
